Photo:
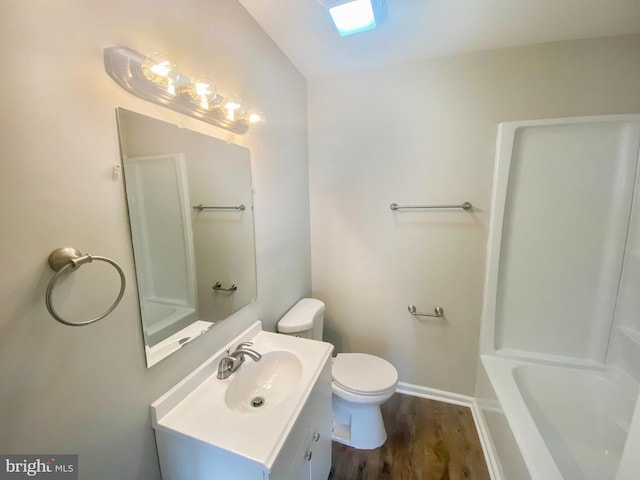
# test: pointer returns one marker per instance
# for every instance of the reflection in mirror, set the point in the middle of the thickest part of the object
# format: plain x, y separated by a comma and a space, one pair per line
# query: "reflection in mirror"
191, 217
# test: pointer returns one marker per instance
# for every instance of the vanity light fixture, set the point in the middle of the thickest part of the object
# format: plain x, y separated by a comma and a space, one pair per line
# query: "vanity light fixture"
353, 16
157, 79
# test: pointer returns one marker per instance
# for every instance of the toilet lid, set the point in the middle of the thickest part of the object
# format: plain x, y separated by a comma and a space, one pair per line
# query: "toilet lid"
359, 372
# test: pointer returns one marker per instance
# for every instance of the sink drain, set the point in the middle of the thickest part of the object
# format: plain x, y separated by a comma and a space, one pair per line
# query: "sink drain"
257, 402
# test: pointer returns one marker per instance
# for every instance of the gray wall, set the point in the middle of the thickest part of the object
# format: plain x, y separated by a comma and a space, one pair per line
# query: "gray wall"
424, 133
87, 390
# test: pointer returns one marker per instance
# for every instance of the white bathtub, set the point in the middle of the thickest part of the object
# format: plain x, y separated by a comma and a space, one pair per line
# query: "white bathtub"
164, 319
570, 423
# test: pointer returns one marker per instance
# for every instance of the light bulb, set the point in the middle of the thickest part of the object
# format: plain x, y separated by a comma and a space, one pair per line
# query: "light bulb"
160, 69
203, 90
233, 107
254, 117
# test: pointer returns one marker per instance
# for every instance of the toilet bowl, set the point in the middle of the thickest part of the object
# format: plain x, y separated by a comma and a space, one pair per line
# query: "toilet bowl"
361, 382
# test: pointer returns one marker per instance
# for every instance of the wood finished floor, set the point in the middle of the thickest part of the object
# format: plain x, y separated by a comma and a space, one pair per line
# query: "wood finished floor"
426, 440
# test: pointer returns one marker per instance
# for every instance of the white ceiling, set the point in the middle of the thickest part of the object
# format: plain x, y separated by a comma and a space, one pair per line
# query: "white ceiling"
419, 29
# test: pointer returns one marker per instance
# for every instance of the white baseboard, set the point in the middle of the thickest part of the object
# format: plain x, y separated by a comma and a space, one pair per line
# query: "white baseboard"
435, 394
464, 401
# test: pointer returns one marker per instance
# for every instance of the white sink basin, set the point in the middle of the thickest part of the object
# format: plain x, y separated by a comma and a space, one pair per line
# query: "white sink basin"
260, 386
218, 413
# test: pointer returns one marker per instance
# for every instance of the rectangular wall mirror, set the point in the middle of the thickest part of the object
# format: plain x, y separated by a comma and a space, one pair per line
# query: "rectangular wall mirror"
190, 205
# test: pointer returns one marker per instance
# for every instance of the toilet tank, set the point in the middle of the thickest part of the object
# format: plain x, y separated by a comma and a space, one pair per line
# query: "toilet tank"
305, 319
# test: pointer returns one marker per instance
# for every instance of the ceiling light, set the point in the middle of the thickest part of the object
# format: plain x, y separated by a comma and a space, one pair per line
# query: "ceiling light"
353, 16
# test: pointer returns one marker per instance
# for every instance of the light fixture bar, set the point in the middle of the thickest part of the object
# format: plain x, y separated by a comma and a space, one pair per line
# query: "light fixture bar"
125, 66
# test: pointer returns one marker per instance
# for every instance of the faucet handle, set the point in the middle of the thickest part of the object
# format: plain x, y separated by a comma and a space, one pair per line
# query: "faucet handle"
226, 367
243, 344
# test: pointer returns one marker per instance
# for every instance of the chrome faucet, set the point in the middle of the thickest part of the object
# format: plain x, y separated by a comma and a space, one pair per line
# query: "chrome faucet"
231, 362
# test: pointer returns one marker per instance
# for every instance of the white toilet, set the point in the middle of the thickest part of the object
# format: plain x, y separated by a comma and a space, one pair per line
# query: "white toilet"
361, 382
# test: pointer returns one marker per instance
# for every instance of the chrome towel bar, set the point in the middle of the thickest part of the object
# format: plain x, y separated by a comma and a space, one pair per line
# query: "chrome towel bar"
69, 259
439, 312
464, 206
201, 207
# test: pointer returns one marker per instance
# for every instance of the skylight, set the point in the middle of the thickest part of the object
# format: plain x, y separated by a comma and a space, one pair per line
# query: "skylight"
353, 17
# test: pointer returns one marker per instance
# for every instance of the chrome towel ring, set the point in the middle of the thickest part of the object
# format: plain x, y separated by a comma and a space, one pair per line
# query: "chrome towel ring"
68, 258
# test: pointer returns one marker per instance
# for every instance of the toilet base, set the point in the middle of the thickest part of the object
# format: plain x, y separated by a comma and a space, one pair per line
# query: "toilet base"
357, 425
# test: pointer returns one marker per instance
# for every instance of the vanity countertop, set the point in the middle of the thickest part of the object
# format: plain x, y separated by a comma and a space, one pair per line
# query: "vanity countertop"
196, 407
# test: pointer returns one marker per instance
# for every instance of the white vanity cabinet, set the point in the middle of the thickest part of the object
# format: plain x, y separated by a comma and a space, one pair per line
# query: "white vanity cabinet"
199, 438
306, 454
